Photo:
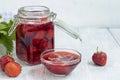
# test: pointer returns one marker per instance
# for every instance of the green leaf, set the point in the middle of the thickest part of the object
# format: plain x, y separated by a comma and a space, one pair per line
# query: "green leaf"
2, 26
4, 23
7, 42
12, 36
3, 32
10, 23
0, 16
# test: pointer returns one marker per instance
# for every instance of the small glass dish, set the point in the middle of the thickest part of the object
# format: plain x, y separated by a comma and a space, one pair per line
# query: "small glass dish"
60, 61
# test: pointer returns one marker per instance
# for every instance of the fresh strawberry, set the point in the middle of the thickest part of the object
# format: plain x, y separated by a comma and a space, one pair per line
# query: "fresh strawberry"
99, 58
12, 69
4, 60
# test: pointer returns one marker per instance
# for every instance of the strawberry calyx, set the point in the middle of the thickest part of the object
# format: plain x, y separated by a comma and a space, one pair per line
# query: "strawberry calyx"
97, 50
9, 54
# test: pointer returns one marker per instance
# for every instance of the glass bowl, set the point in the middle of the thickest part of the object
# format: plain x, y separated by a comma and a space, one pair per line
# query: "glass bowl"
60, 61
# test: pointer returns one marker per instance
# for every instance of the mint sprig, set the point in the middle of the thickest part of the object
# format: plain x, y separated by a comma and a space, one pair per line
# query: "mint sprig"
6, 40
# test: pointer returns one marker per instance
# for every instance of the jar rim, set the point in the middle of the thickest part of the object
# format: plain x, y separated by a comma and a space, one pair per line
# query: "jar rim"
35, 8
33, 11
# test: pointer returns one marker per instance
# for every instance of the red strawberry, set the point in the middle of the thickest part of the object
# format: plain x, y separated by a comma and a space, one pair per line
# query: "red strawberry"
50, 56
35, 42
21, 50
50, 45
99, 58
40, 34
43, 45
19, 32
12, 69
27, 30
4, 60
50, 33
37, 37
33, 55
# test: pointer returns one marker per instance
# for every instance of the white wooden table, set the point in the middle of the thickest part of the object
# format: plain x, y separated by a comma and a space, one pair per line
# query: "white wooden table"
107, 39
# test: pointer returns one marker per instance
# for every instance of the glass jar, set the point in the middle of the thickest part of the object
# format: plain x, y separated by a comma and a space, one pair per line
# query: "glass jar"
34, 27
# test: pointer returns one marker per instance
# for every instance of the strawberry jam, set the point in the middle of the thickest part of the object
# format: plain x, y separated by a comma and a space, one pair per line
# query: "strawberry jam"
32, 40
60, 62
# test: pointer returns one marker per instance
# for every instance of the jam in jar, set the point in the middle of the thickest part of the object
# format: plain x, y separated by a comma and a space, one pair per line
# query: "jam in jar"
34, 33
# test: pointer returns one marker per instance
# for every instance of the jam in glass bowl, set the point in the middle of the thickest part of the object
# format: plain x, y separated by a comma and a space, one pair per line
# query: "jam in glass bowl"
60, 61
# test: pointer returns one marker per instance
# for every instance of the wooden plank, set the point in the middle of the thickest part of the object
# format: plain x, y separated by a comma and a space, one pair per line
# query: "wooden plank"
115, 32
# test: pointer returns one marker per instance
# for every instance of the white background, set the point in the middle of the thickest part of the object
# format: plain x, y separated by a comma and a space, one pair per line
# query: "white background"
78, 13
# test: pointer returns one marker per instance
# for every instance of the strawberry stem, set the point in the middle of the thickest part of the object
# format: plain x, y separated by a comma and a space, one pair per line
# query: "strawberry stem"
8, 53
97, 49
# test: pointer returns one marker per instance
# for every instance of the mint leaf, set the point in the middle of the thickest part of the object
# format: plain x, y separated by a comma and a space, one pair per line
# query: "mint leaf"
10, 23
2, 26
4, 23
7, 42
3, 32
0, 16
12, 36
